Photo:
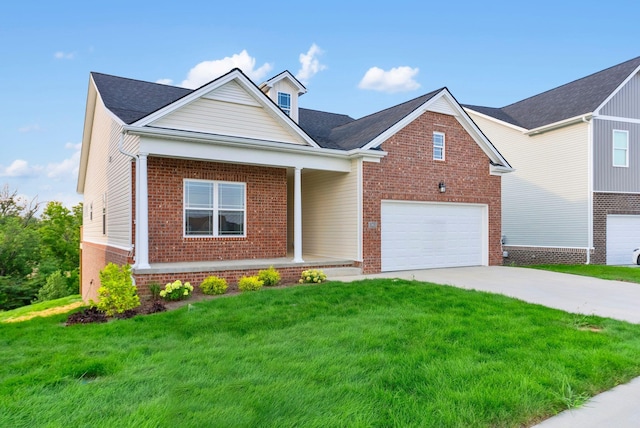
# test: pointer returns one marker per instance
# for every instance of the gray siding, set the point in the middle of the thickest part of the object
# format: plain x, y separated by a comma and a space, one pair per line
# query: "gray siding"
625, 102
608, 178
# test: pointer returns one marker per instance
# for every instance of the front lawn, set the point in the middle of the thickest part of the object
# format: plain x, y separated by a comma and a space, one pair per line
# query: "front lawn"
617, 273
41, 309
369, 353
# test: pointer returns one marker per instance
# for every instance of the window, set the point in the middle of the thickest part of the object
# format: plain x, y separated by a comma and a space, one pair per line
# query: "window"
620, 148
284, 102
214, 208
438, 146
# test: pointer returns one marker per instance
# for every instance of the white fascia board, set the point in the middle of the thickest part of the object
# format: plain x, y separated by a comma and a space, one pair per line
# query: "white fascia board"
498, 121
207, 147
560, 124
499, 170
618, 89
246, 84
286, 75
463, 118
89, 113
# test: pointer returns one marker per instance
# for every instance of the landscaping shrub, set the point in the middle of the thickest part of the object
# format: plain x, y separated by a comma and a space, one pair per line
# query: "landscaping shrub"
269, 277
154, 288
250, 283
176, 290
55, 287
214, 285
117, 293
312, 276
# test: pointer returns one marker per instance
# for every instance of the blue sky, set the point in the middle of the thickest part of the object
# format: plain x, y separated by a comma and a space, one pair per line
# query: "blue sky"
355, 58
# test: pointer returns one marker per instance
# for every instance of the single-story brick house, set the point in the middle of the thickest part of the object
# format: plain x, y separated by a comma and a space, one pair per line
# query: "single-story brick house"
233, 177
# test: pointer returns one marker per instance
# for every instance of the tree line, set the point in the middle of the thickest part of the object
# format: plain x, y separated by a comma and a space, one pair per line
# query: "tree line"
39, 251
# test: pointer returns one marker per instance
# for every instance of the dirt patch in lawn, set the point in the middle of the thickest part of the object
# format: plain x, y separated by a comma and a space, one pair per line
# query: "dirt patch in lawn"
47, 312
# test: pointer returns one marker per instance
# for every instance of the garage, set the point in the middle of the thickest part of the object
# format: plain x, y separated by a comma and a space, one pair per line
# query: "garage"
623, 236
423, 235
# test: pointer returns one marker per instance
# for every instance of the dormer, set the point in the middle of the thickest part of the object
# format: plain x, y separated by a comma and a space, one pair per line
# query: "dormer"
284, 89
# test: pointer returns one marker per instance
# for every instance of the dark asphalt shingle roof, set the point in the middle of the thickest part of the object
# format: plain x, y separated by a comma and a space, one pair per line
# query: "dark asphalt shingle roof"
573, 99
131, 100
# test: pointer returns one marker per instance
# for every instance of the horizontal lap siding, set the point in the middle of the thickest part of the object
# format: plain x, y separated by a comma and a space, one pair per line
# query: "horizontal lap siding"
226, 118
545, 201
330, 214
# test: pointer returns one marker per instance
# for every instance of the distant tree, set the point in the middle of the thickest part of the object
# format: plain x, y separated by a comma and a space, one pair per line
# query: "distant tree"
12, 206
60, 235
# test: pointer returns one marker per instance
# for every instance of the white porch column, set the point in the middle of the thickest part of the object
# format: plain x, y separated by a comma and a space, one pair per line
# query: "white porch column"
142, 219
297, 217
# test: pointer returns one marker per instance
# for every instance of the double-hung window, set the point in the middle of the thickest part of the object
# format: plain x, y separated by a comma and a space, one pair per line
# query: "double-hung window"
620, 148
284, 102
214, 208
438, 146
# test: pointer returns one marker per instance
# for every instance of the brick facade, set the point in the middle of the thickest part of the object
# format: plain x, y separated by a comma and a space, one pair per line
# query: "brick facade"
522, 256
604, 204
266, 212
94, 257
409, 173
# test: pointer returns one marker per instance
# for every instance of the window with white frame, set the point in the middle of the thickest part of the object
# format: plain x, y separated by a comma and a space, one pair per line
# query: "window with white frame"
438, 146
284, 102
214, 208
620, 148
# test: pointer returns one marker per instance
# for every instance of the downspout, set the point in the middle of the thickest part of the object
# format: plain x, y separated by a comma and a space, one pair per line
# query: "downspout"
590, 187
135, 158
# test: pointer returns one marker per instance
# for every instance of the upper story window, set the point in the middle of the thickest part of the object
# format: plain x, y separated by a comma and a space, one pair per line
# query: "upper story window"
284, 102
438, 146
620, 148
214, 208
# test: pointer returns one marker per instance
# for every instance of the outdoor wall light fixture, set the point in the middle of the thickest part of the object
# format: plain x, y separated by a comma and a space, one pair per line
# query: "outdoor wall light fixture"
442, 187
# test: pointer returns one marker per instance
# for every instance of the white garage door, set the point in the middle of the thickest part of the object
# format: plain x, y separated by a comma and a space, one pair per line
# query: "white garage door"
623, 236
417, 235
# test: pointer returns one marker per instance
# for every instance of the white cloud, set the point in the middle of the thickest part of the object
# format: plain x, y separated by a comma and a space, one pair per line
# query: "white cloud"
64, 55
310, 64
30, 128
398, 79
19, 168
206, 71
164, 81
68, 167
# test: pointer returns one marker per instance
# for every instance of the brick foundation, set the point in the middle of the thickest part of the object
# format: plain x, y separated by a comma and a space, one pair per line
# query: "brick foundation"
94, 258
522, 256
604, 204
409, 173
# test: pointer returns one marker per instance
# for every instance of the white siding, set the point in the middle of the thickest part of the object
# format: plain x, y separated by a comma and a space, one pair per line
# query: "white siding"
232, 92
330, 213
108, 180
441, 105
285, 85
226, 118
545, 202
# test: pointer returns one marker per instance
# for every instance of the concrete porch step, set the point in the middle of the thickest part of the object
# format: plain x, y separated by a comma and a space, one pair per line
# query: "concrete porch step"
342, 271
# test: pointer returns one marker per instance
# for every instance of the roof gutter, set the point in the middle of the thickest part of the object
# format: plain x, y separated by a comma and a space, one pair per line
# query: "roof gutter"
567, 122
243, 141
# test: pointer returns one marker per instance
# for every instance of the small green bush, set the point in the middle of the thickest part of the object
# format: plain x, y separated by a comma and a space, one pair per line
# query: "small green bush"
55, 288
312, 276
214, 285
154, 288
269, 277
250, 283
176, 290
117, 292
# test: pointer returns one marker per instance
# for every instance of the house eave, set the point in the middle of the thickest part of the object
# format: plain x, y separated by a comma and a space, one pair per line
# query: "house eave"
561, 124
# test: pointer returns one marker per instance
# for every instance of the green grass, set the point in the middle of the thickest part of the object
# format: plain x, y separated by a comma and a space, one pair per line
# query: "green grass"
369, 353
36, 307
617, 273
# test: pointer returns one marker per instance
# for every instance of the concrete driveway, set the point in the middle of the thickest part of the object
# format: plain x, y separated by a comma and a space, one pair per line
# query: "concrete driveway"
571, 293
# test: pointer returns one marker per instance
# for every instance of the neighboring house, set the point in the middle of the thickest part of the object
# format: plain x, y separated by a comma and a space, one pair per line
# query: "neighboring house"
575, 195
232, 177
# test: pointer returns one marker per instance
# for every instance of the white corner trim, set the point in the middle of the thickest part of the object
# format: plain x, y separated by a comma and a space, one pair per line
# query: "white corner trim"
615, 92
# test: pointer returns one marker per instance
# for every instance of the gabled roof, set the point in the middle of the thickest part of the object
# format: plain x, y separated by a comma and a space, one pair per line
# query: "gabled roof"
580, 97
131, 99
285, 75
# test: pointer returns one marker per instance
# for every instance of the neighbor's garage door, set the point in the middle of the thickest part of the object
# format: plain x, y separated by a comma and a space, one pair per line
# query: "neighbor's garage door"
418, 235
623, 236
